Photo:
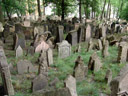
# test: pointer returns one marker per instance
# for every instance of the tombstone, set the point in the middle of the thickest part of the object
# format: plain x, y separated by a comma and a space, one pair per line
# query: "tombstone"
78, 49
122, 53
39, 83
94, 63
5, 73
60, 34
43, 46
90, 45
25, 66
104, 31
43, 63
50, 56
88, 33
105, 49
39, 30
1, 27
27, 23
80, 70
119, 85
70, 83
100, 44
64, 49
19, 39
31, 50
80, 33
6, 31
19, 52
108, 76
72, 37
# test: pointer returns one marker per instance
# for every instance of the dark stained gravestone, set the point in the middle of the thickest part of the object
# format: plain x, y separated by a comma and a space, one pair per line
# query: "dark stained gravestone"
72, 37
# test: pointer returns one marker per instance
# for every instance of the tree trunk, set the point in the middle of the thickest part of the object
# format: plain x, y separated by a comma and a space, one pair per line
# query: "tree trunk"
110, 12
121, 6
43, 7
1, 16
80, 17
63, 9
108, 9
39, 10
103, 10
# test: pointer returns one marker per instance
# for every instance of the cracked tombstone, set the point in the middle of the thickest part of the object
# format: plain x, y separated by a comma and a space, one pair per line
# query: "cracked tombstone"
80, 70
64, 49
5, 74
70, 83
94, 63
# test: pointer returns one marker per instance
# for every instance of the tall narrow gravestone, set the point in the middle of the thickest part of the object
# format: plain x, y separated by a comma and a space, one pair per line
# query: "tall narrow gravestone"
64, 49
5, 73
88, 33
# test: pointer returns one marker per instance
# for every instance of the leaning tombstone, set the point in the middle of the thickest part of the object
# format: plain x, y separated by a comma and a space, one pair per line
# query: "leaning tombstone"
70, 83
80, 70
94, 63
5, 73
64, 49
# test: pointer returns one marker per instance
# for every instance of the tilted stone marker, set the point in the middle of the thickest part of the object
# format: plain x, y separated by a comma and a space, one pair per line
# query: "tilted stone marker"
80, 70
25, 66
19, 52
5, 73
64, 49
39, 83
94, 63
72, 37
70, 83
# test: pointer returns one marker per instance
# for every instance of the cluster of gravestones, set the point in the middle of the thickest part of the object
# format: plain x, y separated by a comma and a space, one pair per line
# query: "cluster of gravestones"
46, 35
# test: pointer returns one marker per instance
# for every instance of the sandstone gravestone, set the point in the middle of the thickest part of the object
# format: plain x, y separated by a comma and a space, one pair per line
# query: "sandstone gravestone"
80, 70
88, 33
1, 27
94, 63
19, 52
90, 45
43, 63
119, 84
27, 23
122, 53
108, 76
25, 66
105, 52
100, 44
104, 31
39, 83
5, 73
64, 49
50, 56
72, 37
70, 83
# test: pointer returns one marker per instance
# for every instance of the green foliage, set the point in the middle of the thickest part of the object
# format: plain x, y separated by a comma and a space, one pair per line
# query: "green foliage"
124, 13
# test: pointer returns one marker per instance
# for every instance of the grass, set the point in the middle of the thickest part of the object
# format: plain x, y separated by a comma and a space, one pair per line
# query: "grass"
61, 68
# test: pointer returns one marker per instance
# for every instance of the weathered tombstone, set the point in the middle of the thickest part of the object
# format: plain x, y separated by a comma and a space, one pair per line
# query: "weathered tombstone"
60, 34
122, 53
80, 33
119, 85
72, 37
88, 33
100, 44
50, 56
64, 49
108, 76
104, 31
19, 52
80, 70
70, 83
105, 49
31, 50
27, 23
94, 63
5, 73
90, 45
39, 30
1, 27
39, 83
43, 63
78, 49
25, 66
6, 31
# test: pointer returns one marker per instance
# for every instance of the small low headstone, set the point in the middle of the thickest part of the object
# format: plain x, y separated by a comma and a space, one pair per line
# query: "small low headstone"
94, 63
70, 83
39, 83
25, 66
19, 52
80, 70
